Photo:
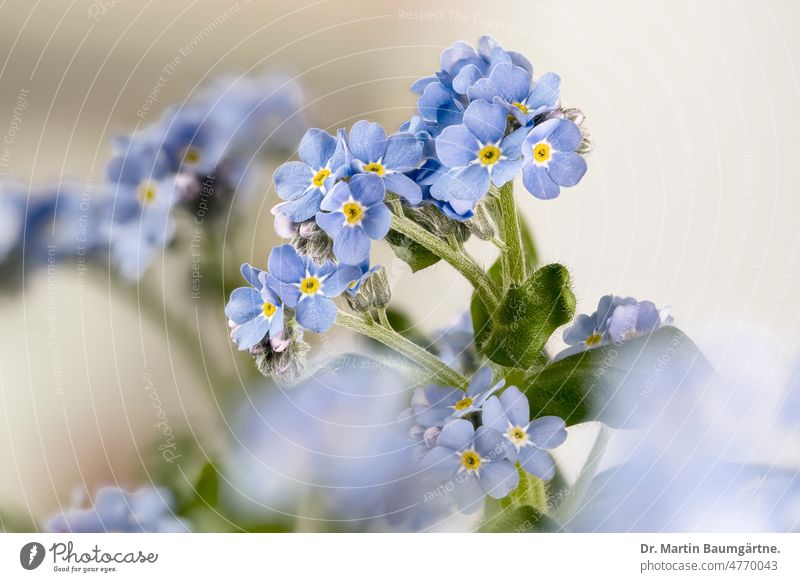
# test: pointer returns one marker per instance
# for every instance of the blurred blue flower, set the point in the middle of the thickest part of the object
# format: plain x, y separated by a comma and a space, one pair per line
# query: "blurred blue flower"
256, 312
307, 286
616, 319
353, 214
370, 151
455, 345
512, 87
146, 510
526, 442
477, 153
474, 461
439, 404
550, 158
303, 184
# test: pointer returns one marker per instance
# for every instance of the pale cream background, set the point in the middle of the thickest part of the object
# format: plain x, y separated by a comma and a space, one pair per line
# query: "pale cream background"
690, 199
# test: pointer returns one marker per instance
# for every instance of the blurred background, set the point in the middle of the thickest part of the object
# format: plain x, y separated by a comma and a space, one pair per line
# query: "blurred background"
688, 200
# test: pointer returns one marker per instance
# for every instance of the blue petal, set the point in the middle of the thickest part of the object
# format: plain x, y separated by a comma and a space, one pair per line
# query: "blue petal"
514, 82
566, 136
470, 183
493, 415
441, 463
483, 89
403, 152
540, 132
480, 381
566, 168
286, 265
435, 98
545, 94
486, 121
456, 435
505, 170
538, 183
404, 187
316, 313
338, 281
469, 494
367, 189
292, 179
581, 328
648, 317
245, 303
547, 432
351, 246
331, 222
250, 274
499, 478
276, 325
336, 197
302, 208
250, 333
537, 462
317, 148
367, 141
377, 221
456, 146
442, 395
515, 404
465, 78
288, 292
458, 51
489, 443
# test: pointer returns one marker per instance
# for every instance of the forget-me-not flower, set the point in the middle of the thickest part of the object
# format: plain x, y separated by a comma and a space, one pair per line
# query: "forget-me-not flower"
443, 403
303, 184
308, 287
550, 158
474, 461
526, 442
354, 214
256, 312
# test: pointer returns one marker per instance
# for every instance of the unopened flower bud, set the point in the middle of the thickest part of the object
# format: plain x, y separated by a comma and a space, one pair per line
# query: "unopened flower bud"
373, 293
282, 356
480, 224
314, 242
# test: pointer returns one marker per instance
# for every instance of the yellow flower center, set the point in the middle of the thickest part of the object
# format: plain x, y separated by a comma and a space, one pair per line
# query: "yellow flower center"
521, 106
309, 285
192, 155
464, 403
517, 435
541, 152
489, 155
470, 460
319, 178
375, 167
353, 212
594, 339
269, 309
147, 193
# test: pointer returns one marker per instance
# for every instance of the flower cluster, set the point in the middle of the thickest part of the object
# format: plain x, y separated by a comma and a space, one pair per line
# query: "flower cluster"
616, 319
473, 438
481, 121
147, 510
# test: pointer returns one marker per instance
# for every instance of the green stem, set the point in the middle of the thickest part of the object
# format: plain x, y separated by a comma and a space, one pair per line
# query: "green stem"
462, 263
384, 319
423, 358
512, 236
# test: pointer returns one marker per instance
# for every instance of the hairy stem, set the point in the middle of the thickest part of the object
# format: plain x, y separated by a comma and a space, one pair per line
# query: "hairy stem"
384, 319
461, 262
512, 236
440, 371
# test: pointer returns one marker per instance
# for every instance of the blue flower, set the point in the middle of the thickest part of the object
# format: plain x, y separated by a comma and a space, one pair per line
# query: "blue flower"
370, 151
474, 461
192, 141
550, 158
256, 312
477, 154
443, 403
308, 287
455, 345
303, 184
366, 271
354, 214
135, 240
512, 87
616, 319
526, 442
146, 510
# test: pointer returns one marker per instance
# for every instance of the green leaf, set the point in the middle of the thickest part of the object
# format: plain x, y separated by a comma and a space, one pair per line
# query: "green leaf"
515, 332
414, 254
614, 382
518, 519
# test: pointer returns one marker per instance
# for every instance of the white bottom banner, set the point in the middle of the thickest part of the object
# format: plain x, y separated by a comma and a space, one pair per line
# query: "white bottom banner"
372, 557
